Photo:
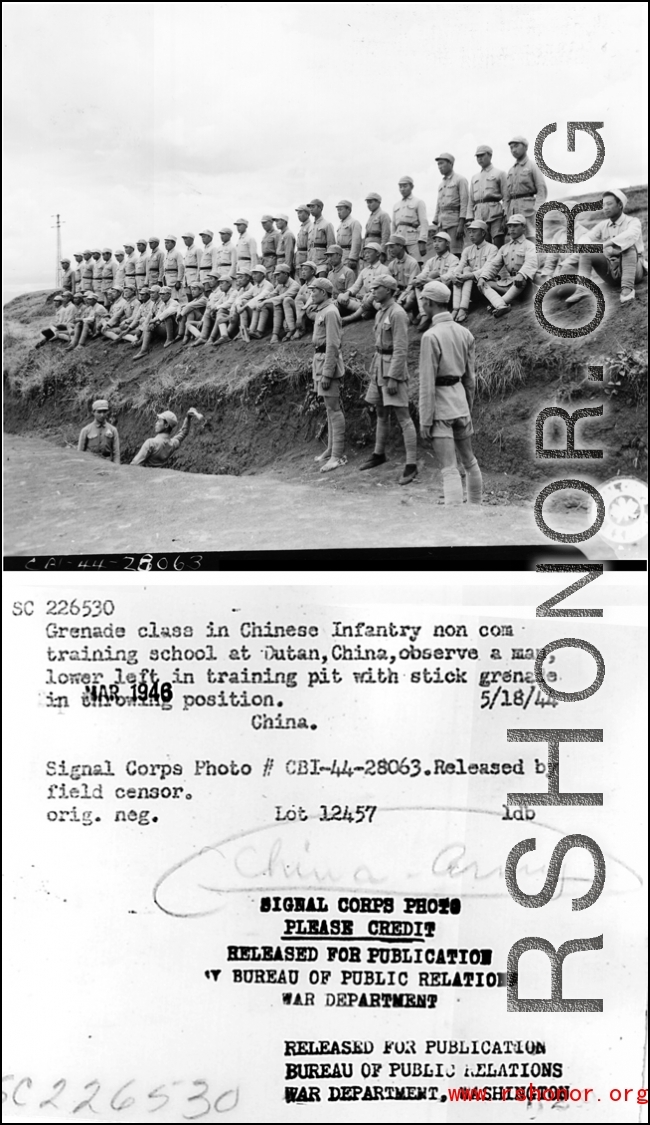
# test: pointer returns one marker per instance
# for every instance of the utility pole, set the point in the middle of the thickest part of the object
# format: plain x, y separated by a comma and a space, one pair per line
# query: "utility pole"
58, 251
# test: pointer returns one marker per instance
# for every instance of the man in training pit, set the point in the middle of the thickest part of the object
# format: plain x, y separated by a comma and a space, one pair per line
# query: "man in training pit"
328, 370
508, 273
156, 451
447, 388
99, 436
388, 390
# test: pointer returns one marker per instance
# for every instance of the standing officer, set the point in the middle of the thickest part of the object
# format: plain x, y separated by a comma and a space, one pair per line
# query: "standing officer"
98, 273
174, 267
226, 255
79, 258
487, 191
208, 255
246, 245
155, 263
328, 370
509, 272
140, 260
447, 388
349, 235
67, 276
286, 241
321, 235
453, 197
302, 237
378, 223
108, 271
389, 381
191, 261
525, 186
86, 268
410, 220
468, 271
120, 270
99, 437
269, 244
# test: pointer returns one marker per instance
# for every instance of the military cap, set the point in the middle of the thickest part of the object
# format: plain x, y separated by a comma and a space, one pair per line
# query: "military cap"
396, 240
196, 284
477, 224
224, 230
283, 267
168, 416
446, 156
312, 265
153, 239
373, 246
139, 240
334, 249
617, 193
78, 254
385, 279
210, 232
443, 235
302, 207
516, 219
90, 296
95, 251
78, 297
145, 289
100, 404
119, 251
188, 234
65, 260
316, 203
57, 297
267, 219
154, 286
373, 195
87, 251
406, 180
344, 203
115, 289
436, 291
171, 238
241, 269
282, 216
241, 222
107, 250
518, 140
165, 288
259, 268
483, 148
322, 283
131, 286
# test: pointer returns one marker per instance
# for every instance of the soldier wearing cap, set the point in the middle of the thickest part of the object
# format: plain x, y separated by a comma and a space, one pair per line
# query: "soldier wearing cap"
321, 235
108, 271
447, 389
215, 293
440, 267
377, 224
286, 241
389, 380
118, 312
79, 258
243, 291
155, 263
246, 245
191, 261
487, 191
468, 271
410, 220
357, 302
284, 288
509, 272
299, 310
100, 437
98, 273
269, 244
328, 370
142, 309
451, 206
225, 259
87, 268
340, 275
126, 323
190, 313
557, 264
349, 235
120, 270
67, 276
89, 322
251, 318
156, 451
621, 262
208, 258
525, 186
302, 237
224, 329
174, 266
162, 322
64, 314
140, 259
401, 265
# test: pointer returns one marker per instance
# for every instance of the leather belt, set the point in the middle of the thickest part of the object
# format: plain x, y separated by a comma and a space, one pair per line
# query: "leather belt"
446, 380
526, 195
384, 351
320, 348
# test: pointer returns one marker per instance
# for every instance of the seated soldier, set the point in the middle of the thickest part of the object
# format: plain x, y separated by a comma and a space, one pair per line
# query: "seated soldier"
131, 313
357, 302
401, 265
191, 311
60, 328
118, 309
340, 275
274, 305
299, 311
621, 263
142, 309
162, 322
468, 271
552, 264
90, 322
505, 276
250, 314
202, 329
223, 331
440, 267
243, 291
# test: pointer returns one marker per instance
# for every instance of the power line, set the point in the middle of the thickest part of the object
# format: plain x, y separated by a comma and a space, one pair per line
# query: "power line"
58, 251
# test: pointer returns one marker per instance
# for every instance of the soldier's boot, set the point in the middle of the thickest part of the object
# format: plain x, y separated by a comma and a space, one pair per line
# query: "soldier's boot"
147, 336
170, 331
75, 338
290, 316
278, 320
85, 333
203, 335
496, 300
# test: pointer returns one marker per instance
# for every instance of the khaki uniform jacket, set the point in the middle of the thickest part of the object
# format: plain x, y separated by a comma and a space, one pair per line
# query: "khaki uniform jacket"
391, 344
321, 235
191, 263
377, 228
87, 273
453, 197
120, 274
269, 248
441, 267
410, 220
447, 349
108, 274
362, 285
487, 190
246, 249
625, 232
174, 268
475, 257
98, 274
515, 257
403, 271
208, 260
341, 279
286, 247
157, 450
350, 238
138, 261
525, 188
225, 260
302, 243
156, 267
103, 441
328, 333
68, 279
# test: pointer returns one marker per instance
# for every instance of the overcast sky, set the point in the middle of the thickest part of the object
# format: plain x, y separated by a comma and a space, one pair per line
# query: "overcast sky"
134, 120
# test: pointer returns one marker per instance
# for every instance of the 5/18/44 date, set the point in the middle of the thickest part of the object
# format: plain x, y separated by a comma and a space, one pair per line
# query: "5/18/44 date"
354, 814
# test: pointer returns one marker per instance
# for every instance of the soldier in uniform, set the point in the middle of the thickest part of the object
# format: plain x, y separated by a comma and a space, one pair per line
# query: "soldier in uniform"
243, 291
507, 274
298, 310
487, 191
453, 198
67, 276
447, 388
162, 322
357, 302
156, 451
440, 267
60, 327
621, 262
284, 288
214, 293
118, 311
134, 326
321, 235
87, 270
251, 314
340, 275
377, 224
269, 244
246, 245
328, 370
100, 437
555, 264
129, 315
140, 260
525, 186
468, 271
89, 323
226, 255
221, 333
120, 270
286, 241
208, 255
174, 266
155, 263
191, 312
389, 382
98, 274
79, 258
349, 235
191, 262
401, 265
410, 220
108, 272
302, 237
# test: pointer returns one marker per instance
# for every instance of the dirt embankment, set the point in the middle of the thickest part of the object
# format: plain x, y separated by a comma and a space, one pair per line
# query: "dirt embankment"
261, 416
